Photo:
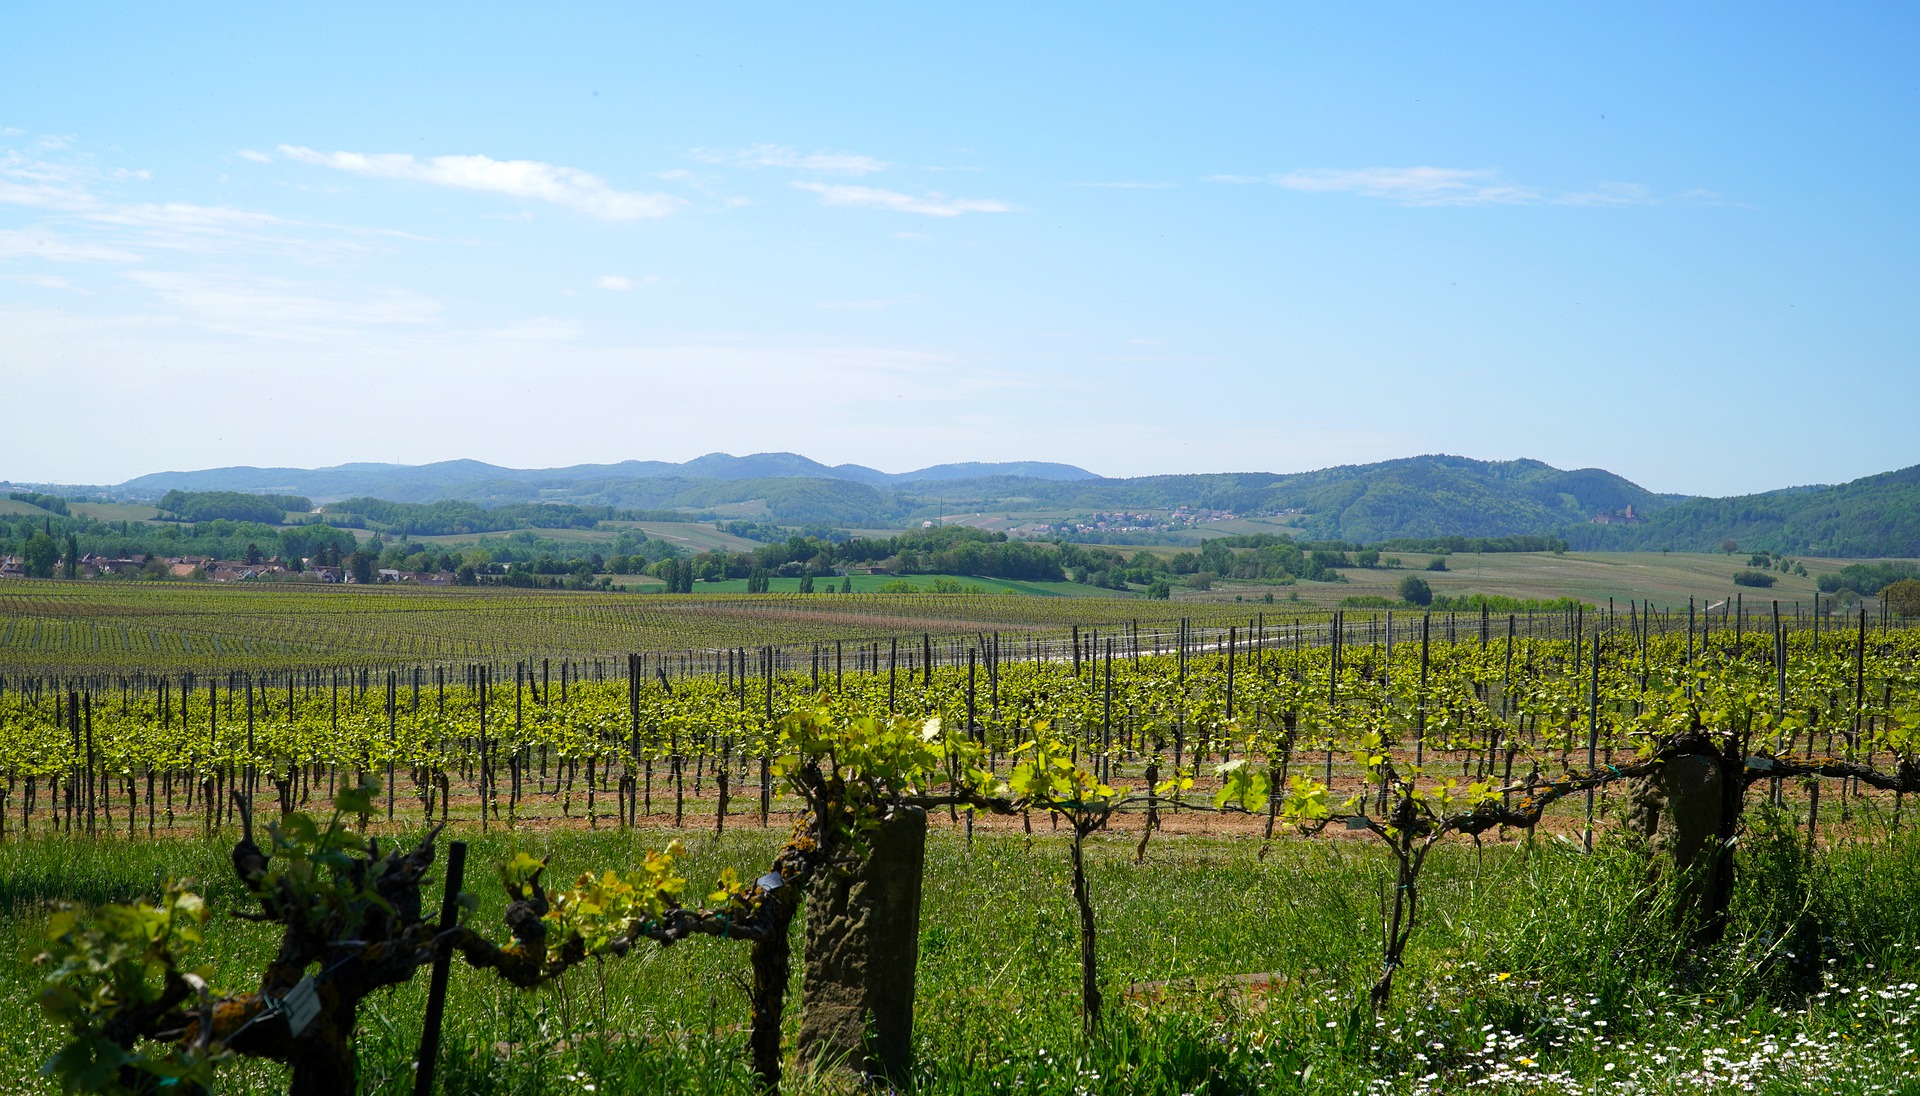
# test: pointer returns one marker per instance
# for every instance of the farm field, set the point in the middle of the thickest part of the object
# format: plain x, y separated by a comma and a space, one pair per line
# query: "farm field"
1667, 579
115, 511
1240, 903
875, 584
103, 626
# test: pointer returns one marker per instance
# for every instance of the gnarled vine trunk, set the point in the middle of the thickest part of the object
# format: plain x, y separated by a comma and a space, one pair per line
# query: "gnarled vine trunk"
1688, 811
862, 952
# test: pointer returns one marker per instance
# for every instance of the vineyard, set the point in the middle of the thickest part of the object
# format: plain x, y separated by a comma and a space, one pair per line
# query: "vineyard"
1660, 809
68, 628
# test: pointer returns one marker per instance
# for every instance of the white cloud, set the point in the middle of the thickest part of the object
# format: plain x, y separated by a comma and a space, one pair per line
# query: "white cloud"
43, 245
256, 157
933, 205
621, 283
831, 163
564, 186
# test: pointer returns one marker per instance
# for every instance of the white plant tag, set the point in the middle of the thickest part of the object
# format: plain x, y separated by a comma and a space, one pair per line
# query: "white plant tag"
301, 1004
1760, 764
771, 882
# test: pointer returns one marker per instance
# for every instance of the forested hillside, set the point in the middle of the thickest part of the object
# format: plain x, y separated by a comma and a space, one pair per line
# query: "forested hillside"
1874, 516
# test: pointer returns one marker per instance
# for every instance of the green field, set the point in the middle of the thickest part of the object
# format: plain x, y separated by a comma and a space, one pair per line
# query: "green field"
1226, 971
114, 511
1667, 579
16, 508
872, 584
48, 625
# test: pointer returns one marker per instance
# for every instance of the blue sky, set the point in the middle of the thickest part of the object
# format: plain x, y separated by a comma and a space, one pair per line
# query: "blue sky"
1673, 241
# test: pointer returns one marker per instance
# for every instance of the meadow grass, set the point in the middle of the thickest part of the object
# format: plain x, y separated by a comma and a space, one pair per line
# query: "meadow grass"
1536, 968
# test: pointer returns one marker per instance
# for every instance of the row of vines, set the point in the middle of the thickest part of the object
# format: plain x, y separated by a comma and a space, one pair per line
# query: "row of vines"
1406, 733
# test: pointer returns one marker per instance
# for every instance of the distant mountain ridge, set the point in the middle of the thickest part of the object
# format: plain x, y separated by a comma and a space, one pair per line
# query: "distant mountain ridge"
1424, 496
459, 478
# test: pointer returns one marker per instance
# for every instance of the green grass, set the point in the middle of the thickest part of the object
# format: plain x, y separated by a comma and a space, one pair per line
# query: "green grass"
1537, 969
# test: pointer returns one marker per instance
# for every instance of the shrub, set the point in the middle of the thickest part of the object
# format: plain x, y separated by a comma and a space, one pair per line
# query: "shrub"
1437, 563
1754, 578
1415, 591
1903, 597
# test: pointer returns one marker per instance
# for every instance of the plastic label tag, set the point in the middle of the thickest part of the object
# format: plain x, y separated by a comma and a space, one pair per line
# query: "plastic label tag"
770, 882
1760, 764
301, 1004
1356, 822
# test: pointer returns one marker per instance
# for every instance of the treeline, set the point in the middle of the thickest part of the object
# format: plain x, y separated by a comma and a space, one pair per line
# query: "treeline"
1867, 579
946, 550
51, 503
455, 518
232, 506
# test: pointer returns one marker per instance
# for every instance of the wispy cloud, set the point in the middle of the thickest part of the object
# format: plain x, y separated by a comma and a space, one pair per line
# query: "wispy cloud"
46, 245
1127, 186
1449, 186
874, 304
44, 281
538, 329
256, 157
81, 198
931, 205
620, 283
563, 186
1421, 186
277, 309
830, 163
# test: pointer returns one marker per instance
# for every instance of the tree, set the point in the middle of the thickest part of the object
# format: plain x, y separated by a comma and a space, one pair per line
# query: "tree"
1159, 591
1903, 597
41, 555
1415, 591
806, 584
1437, 563
1729, 546
72, 559
360, 565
